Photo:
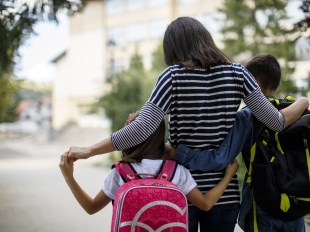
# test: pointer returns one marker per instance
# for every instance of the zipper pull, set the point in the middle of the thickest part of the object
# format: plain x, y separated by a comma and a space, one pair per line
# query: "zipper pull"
305, 143
295, 200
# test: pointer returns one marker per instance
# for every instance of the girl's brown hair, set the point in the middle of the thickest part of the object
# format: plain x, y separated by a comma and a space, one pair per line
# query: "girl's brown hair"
152, 148
187, 42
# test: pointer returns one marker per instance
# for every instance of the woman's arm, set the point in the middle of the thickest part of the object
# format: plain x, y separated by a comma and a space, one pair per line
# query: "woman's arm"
105, 146
276, 120
90, 205
140, 129
295, 110
206, 201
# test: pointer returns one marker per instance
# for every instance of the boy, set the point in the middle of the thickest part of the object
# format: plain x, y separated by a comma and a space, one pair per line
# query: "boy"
266, 70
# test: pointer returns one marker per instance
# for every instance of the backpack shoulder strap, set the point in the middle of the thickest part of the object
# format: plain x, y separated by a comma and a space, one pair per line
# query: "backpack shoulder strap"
126, 171
258, 128
167, 170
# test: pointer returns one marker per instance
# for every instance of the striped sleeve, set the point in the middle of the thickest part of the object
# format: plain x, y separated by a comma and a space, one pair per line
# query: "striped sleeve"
264, 111
161, 95
150, 115
249, 83
140, 129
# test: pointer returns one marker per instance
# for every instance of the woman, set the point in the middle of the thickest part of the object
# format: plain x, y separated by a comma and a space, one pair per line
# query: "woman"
201, 90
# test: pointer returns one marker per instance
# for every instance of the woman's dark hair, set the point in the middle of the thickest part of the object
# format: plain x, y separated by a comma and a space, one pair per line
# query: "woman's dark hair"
152, 148
266, 70
187, 42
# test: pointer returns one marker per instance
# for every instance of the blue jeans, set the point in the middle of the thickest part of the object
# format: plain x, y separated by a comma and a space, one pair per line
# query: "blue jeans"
221, 218
265, 222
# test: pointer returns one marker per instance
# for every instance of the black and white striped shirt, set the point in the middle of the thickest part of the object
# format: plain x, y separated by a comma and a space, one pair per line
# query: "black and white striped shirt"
202, 105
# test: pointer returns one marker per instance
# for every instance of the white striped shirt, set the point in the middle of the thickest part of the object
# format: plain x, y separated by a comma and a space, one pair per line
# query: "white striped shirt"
202, 105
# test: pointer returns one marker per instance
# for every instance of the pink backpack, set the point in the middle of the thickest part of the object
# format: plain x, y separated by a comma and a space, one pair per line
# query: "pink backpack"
143, 205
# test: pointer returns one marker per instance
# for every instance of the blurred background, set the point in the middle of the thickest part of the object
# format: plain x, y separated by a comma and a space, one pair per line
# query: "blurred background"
71, 71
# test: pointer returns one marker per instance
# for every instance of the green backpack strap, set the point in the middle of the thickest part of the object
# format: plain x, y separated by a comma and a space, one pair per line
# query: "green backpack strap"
255, 227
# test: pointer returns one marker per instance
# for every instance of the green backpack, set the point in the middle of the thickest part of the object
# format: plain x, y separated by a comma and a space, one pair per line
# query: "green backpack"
279, 168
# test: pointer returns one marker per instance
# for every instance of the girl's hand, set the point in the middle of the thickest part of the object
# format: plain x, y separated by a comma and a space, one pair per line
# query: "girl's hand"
232, 168
66, 166
169, 152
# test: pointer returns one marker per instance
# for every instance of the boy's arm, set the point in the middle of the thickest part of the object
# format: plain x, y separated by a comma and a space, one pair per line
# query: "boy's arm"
218, 159
206, 201
89, 204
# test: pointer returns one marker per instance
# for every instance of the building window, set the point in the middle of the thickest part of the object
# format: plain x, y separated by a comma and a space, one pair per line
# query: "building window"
157, 28
116, 36
188, 1
114, 6
133, 5
213, 22
136, 32
115, 66
157, 3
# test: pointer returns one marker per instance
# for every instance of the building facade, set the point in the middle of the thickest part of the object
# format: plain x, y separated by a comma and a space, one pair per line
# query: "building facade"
106, 34
103, 37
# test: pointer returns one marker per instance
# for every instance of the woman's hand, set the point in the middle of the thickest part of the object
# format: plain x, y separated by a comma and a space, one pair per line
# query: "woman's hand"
232, 168
66, 166
76, 153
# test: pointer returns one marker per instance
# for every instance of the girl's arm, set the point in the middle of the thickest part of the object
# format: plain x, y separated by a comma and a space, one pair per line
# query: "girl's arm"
89, 204
206, 201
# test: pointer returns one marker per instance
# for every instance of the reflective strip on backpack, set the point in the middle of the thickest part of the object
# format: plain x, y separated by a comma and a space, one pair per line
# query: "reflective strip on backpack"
253, 150
255, 227
285, 202
278, 142
303, 199
308, 156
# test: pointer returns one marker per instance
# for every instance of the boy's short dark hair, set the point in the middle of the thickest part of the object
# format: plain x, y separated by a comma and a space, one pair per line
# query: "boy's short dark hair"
266, 70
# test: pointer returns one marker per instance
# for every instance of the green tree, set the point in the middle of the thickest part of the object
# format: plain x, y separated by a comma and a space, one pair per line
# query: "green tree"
17, 19
253, 27
158, 62
304, 24
130, 89
128, 93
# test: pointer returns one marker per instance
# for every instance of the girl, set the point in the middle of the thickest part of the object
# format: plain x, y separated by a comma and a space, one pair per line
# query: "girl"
145, 158
202, 91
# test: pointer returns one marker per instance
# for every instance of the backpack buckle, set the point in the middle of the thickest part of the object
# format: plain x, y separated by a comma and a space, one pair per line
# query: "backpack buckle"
164, 176
130, 177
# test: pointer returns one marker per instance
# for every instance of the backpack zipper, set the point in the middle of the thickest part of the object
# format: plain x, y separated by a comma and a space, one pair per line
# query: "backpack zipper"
307, 155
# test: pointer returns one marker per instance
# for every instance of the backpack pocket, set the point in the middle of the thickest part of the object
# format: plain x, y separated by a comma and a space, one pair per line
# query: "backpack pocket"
265, 192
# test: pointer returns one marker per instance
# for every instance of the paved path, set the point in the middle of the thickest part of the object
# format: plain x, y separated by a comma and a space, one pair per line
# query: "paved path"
33, 194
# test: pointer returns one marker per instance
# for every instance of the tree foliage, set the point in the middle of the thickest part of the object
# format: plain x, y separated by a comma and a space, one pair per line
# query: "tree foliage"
304, 24
129, 91
254, 27
17, 19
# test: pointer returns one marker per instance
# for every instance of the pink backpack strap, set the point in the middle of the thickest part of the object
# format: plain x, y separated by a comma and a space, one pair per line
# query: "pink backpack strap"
167, 170
127, 172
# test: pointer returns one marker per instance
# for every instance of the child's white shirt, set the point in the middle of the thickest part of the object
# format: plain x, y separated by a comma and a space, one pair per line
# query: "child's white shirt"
182, 177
